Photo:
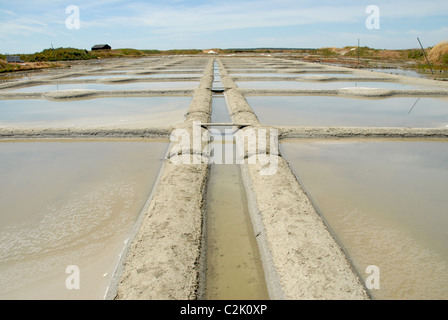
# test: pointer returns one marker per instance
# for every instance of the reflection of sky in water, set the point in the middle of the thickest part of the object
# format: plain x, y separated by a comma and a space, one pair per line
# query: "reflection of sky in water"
411, 73
115, 86
219, 110
244, 69
128, 112
295, 75
386, 202
323, 85
337, 111
82, 200
173, 75
180, 70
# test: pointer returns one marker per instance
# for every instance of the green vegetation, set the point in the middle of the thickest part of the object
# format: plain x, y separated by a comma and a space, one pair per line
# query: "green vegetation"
125, 53
326, 52
444, 59
151, 52
233, 51
48, 57
10, 67
6, 67
352, 55
415, 54
59, 54
182, 51
364, 52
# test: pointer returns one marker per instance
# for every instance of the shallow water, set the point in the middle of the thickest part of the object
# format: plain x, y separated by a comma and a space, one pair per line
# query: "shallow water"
290, 75
130, 112
124, 76
412, 73
69, 203
302, 85
233, 70
338, 111
234, 269
114, 86
180, 70
220, 113
386, 202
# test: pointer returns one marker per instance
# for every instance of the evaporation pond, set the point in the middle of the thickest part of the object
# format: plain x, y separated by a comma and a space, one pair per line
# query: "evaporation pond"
70, 204
386, 203
139, 76
324, 85
338, 111
290, 75
151, 85
123, 112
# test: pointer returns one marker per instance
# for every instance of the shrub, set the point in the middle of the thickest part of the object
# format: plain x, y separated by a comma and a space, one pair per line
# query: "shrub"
444, 59
59, 54
326, 52
415, 54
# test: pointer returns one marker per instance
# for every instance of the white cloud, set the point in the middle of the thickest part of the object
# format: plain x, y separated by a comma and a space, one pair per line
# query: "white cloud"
230, 16
324, 20
8, 12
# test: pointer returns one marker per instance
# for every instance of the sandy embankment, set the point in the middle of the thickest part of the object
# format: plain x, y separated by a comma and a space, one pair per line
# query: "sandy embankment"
164, 258
301, 259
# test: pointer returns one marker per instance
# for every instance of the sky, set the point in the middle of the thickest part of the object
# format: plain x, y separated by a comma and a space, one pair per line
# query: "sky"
31, 26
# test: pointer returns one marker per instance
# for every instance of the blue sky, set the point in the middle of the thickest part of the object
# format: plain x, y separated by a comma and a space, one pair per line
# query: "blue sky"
31, 26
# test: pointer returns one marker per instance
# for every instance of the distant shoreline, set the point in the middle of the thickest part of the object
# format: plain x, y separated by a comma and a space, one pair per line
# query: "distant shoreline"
353, 57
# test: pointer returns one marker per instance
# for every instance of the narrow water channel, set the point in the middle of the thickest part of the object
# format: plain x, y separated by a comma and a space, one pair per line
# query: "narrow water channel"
234, 268
216, 77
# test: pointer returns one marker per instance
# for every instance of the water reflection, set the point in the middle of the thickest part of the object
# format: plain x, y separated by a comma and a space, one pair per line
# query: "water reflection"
112, 86
131, 112
302, 85
338, 111
69, 203
386, 203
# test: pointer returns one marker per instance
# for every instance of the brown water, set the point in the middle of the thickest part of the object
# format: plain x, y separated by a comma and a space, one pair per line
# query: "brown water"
69, 203
386, 202
234, 268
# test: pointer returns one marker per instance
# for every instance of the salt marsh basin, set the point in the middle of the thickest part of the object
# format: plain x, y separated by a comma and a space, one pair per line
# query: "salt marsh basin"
104, 193
385, 202
124, 112
82, 200
422, 112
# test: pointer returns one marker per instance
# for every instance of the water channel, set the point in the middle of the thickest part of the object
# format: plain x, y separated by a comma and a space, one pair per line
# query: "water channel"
234, 269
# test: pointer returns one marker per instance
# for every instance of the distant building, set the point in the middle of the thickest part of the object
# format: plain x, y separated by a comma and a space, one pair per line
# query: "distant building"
101, 47
13, 59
